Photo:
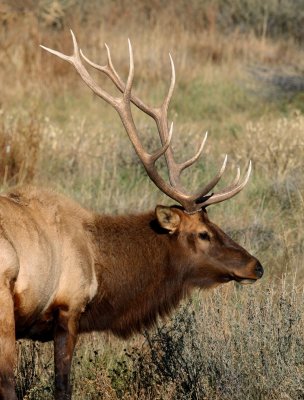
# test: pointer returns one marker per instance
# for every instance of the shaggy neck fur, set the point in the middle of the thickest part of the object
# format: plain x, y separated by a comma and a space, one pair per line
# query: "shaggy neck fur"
139, 275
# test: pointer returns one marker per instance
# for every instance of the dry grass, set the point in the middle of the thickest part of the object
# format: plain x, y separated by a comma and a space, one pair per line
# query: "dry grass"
223, 347
236, 343
20, 140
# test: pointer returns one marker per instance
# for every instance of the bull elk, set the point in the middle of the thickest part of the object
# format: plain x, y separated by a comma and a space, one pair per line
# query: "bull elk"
66, 270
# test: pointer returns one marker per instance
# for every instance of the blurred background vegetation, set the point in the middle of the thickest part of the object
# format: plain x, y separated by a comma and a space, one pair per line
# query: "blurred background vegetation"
240, 75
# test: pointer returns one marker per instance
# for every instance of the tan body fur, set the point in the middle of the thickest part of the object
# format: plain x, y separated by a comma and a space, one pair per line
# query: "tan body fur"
47, 253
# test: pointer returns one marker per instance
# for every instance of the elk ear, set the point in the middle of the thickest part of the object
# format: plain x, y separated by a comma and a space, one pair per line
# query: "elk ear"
168, 218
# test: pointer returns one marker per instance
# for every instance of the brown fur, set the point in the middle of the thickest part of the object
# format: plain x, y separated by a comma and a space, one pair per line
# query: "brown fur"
65, 270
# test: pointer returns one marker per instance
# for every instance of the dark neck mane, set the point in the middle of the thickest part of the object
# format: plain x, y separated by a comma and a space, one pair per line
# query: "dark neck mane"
139, 278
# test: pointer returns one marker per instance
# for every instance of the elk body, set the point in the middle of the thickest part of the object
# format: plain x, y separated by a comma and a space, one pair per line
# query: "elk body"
65, 270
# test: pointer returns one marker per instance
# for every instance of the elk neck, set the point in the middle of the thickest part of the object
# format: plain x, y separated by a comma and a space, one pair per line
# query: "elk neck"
140, 274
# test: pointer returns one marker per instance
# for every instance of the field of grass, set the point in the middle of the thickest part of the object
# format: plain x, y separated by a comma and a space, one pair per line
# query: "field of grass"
240, 75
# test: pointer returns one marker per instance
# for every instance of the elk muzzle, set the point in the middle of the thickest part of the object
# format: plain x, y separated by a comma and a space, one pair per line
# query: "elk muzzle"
255, 273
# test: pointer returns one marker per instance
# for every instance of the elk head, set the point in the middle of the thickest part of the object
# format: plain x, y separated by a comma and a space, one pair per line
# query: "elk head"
210, 255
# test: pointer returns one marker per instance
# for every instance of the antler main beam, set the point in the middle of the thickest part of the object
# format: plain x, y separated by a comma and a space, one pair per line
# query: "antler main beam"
191, 202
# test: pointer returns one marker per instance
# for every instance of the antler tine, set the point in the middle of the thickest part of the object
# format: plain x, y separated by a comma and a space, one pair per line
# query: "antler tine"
75, 45
192, 160
111, 65
167, 99
229, 192
58, 54
158, 153
108, 69
75, 60
111, 73
161, 117
210, 185
128, 87
236, 180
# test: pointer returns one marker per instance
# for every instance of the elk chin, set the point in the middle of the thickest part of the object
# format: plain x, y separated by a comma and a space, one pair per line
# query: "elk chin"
246, 281
241, 281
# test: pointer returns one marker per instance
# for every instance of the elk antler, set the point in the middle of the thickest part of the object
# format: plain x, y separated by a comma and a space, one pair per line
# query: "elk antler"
190, 202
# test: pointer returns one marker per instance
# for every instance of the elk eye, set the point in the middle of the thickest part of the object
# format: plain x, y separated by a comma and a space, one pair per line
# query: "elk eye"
204, 236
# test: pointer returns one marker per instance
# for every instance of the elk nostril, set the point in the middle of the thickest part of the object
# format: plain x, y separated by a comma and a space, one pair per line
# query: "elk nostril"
259, 269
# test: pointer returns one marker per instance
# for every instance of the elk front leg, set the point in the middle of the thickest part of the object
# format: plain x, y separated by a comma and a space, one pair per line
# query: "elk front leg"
65, 337
7, 344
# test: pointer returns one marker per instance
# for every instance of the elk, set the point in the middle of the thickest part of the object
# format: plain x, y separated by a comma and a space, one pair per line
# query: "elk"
66, 270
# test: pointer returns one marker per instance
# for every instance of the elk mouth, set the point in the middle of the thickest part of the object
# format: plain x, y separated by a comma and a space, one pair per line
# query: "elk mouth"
257, 274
